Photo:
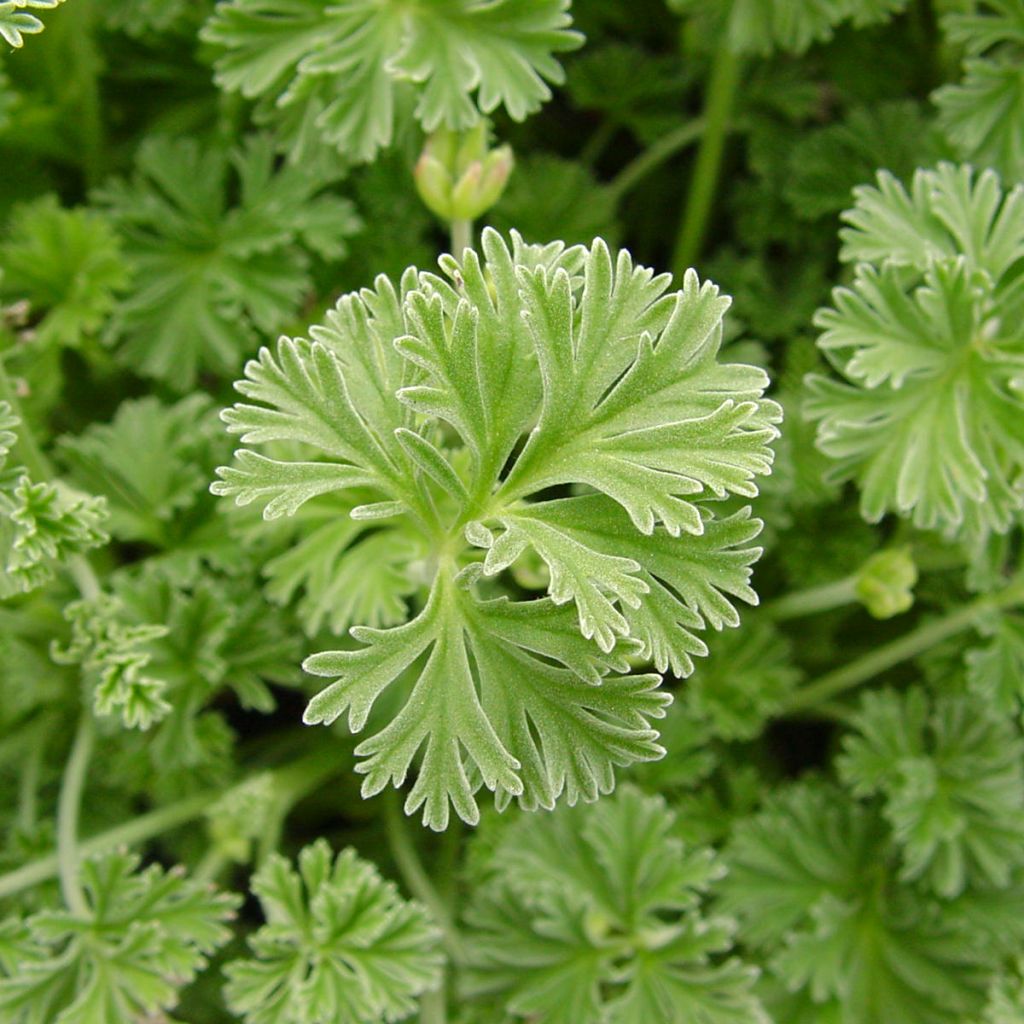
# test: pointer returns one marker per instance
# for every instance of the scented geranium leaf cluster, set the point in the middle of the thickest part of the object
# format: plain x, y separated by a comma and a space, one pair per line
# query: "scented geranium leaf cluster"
340, 946
448, 409
67, 265
812, 880
152, 463
983, 114
210, 273
951, 772
139, 938
343, 71
927, 421
605, 905
508, 506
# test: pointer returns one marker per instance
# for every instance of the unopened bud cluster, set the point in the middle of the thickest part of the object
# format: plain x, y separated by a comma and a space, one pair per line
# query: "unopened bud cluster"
458, 177
885, 583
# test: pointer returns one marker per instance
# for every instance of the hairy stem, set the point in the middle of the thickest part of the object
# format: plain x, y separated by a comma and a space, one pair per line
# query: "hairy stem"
814, 600
69, 805
433, 1007
718, 102
598, 142
462, 237
653, 157
211, 865
916, 642
290, 785
411, 867
28, 783
317, 767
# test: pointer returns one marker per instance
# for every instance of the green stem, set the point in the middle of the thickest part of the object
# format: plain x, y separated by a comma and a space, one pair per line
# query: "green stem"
898, 651
718, 102
416, 878
433, 1007
814, 600
653, 157
291, 783
462, 237
598, 143
28, 784
69, 805
316, 766
93, 132
210, 867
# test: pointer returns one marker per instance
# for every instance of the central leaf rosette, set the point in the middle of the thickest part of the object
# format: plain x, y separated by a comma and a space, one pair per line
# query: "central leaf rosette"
544, 413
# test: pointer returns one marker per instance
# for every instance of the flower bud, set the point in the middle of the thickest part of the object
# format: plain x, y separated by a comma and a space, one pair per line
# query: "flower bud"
458, 177
885, 583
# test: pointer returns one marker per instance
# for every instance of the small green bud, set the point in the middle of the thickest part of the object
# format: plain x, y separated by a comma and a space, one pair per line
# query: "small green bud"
434, 184
886, 581
458, 177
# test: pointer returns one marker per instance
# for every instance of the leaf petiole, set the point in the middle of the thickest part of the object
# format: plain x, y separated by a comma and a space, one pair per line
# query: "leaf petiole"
904, 648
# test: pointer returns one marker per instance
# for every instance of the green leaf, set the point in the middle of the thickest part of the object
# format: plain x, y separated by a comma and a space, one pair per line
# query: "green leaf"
927, 425
41, 526
113, 656
826, 165
996, 671
567, 732
16, 22
646, 424
218, 639
211, 273
67, 264
493, 360
8, 437
548, 197
345, 62
743, 682
950, 773
143, 18
348, 572
151, 463
142, 937
984, 114
810, 880
592, 915
763, 26
1006, 999
632, 87
340, 946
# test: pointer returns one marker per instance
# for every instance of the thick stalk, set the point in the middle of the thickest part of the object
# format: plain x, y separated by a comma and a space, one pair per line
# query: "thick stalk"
653, 157
900, 650
718, 103
68, 807
462, 237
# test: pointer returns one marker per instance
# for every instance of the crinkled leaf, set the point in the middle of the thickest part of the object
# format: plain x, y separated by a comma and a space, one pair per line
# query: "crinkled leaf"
340, 946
